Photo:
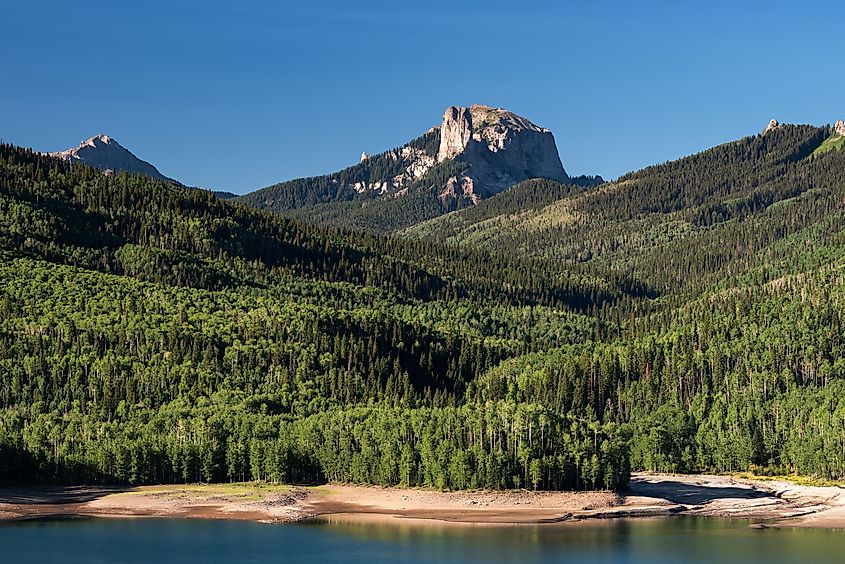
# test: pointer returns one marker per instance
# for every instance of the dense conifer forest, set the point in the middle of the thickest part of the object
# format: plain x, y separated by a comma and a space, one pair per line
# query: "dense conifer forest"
687, 317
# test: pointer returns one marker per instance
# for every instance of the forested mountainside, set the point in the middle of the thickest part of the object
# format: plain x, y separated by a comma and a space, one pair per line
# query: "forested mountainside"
370, 177
475, 153
688, 317
740, 364
679, 227
154, 333
395, 188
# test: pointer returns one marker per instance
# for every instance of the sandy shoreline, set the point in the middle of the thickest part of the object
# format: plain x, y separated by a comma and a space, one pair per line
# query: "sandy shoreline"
774, 502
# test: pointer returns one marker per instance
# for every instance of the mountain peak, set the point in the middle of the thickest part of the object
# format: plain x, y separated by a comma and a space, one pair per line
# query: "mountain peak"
490, 116
773, 124
482, 123
501, 147
475, 152
102, 138
104, 152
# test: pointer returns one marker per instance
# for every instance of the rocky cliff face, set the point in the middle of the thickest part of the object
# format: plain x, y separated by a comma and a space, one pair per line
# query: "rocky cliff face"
415, 162
501, 148
475, 152
773, 124
839, 127
105, 153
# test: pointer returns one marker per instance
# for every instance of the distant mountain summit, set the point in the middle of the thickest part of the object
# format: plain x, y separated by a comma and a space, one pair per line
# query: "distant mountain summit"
475, 153
500, 147
105, 153
773, 124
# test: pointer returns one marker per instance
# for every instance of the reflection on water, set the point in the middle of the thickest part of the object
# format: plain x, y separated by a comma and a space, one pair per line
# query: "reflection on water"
680, 539
345, 538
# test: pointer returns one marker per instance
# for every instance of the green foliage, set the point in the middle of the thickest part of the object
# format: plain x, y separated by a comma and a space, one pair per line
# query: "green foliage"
389, 213
139, 318
672, 230
751, 376
833, 143
688, 317
497, 445
363, 196
340, 186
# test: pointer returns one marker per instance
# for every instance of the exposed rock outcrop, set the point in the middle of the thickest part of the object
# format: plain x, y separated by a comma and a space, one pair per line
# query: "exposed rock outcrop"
455, 132
474, 153
773, 124
839, 127
105, 153
502, 148
461, 186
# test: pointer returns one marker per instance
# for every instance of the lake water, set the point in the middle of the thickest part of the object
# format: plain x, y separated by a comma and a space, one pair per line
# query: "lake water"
182, 540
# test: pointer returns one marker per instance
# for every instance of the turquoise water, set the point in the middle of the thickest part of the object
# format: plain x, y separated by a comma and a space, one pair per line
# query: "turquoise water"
182, 540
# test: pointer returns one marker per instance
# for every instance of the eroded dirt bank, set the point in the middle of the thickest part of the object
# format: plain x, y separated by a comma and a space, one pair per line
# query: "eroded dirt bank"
649, 495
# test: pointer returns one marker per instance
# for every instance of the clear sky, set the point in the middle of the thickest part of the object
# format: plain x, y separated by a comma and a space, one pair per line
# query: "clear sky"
238, 95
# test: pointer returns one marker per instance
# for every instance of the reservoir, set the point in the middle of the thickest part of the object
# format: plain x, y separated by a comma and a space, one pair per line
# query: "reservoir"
340, 539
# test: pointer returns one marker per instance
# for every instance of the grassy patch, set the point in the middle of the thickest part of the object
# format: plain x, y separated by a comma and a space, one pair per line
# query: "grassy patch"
244, 490
833, 143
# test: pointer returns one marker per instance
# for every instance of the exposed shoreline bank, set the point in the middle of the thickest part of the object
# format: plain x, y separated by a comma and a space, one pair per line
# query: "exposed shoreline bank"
768, 502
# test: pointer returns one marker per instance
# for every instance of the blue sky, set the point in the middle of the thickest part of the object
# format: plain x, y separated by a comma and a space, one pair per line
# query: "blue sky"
239, 95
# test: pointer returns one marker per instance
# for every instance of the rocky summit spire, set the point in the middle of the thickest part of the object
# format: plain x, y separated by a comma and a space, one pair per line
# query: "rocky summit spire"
501, 147
773, 124
839, 128
473, 153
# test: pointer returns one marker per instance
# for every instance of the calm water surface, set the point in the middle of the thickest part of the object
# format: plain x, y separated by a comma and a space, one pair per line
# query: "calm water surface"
182, 540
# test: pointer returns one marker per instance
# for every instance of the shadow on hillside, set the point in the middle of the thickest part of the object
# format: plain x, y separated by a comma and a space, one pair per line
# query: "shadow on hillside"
686, 493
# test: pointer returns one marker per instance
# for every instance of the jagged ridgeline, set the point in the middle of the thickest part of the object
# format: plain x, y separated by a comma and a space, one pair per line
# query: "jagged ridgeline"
475, 153
154, 333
